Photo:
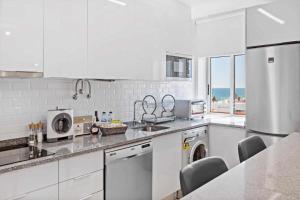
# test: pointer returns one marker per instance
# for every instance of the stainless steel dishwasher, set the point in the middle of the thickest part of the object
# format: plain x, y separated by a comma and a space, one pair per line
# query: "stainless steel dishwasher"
128, 172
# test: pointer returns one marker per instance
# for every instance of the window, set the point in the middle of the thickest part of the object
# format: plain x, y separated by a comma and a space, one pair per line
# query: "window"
239, 85
220, 84
227, 85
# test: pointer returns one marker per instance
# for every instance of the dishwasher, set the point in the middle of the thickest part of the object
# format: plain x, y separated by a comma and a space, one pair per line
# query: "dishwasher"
128, 172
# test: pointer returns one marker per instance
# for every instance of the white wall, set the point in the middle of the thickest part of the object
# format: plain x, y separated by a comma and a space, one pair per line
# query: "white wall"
27, 100
221, 36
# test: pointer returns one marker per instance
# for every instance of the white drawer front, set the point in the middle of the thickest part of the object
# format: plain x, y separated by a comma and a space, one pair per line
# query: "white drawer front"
95, 196
79, 165
49, 193
27, 180
80, 187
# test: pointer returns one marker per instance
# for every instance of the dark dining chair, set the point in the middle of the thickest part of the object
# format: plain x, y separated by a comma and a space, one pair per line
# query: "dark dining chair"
249, 147
200, 172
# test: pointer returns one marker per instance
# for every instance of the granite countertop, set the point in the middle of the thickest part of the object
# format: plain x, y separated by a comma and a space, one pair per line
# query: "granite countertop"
85, 144
271, 174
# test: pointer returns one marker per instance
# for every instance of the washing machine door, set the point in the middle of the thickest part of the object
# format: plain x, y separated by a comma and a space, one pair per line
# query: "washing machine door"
198, 151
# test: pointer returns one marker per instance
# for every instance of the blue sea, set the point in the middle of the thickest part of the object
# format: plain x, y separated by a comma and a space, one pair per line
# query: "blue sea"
224, 93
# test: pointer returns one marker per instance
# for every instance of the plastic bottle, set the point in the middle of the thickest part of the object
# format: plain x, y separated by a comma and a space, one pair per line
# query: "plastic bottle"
103, 117
109, 117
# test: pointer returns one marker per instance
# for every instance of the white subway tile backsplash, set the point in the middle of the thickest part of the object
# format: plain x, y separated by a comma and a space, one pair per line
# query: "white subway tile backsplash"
27, 100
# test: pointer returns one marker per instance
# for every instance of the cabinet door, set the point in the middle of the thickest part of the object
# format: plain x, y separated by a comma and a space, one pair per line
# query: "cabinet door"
223, 142
81, 187
167, 157
21, 35
178, 29
276, 22
26, 180
65, 38
123, 40
110, 42
49, 193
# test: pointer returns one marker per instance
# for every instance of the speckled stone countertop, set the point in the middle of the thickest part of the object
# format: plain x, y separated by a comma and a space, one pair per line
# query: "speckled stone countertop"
271, 174
88, 143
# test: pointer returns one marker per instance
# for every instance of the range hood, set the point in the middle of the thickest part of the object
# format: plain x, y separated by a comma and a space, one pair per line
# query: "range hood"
20, 74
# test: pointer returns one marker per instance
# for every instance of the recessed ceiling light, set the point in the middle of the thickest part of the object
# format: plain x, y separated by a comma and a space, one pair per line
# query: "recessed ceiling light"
121, 3
266, 13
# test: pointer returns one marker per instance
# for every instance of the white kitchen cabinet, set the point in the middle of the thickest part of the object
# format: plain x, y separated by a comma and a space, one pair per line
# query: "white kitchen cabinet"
81, 177
65, 50
167, 158
272, 23
81, 187
122, 40
21, 35
130, 41
223, 142
48, 193
179, 29
23, 182
80, 165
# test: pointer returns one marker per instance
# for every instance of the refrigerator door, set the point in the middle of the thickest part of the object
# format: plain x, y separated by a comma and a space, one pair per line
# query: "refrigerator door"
273, 89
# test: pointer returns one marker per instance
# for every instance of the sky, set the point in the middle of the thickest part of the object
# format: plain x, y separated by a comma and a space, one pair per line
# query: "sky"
220, 72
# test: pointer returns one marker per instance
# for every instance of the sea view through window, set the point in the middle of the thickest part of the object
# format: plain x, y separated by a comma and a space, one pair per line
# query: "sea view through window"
222, 75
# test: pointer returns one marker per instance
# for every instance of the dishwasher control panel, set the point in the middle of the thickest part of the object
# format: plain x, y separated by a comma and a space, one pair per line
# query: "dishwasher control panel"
127, 152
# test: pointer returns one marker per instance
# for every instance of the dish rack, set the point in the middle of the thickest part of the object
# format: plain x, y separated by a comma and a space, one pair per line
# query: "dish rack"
162, 118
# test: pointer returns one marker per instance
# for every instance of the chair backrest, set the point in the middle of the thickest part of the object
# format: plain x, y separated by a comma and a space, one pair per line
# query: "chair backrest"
200, 172
250, 146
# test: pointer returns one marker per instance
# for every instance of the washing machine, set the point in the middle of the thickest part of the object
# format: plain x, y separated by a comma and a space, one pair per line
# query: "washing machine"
194, 145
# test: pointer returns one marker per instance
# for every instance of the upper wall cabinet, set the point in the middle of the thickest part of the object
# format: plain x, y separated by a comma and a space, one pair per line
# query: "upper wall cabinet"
179, 30
124, 40
65, 50
21, 35
273, 23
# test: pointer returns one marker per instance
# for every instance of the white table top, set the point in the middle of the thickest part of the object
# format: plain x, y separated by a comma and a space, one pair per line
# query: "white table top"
272, 174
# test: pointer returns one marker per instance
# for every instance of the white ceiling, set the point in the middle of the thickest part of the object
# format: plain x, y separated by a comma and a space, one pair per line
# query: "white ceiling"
205, 8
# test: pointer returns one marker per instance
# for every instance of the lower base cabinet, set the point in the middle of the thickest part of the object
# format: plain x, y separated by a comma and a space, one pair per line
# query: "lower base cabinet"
82, 188
223, 142
167, 161
49, 193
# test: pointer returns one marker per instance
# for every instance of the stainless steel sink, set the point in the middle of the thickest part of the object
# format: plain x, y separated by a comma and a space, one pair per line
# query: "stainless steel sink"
154, 128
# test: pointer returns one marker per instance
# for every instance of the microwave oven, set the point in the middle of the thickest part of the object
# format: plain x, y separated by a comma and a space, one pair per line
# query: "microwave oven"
178, 67
189, 109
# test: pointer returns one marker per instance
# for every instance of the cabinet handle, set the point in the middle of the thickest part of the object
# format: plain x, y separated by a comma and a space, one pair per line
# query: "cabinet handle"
19, 197
81, 177
87, 197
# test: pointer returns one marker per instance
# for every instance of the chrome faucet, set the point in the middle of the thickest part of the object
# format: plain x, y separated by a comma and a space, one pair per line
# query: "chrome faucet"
80, 91
134, 110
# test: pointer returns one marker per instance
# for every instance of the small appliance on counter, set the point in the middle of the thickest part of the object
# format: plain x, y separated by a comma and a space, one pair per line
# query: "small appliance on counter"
189, 109
82, 125
59, 124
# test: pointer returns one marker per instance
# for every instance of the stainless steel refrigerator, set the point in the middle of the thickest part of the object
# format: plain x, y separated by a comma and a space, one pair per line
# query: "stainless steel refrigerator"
273, 90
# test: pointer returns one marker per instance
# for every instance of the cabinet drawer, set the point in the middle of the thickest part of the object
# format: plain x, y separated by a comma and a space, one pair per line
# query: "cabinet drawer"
27, 180
80, 187
80, 165
49, 193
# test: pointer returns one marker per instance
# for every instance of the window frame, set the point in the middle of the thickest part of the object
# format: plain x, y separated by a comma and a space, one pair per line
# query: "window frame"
232, 83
